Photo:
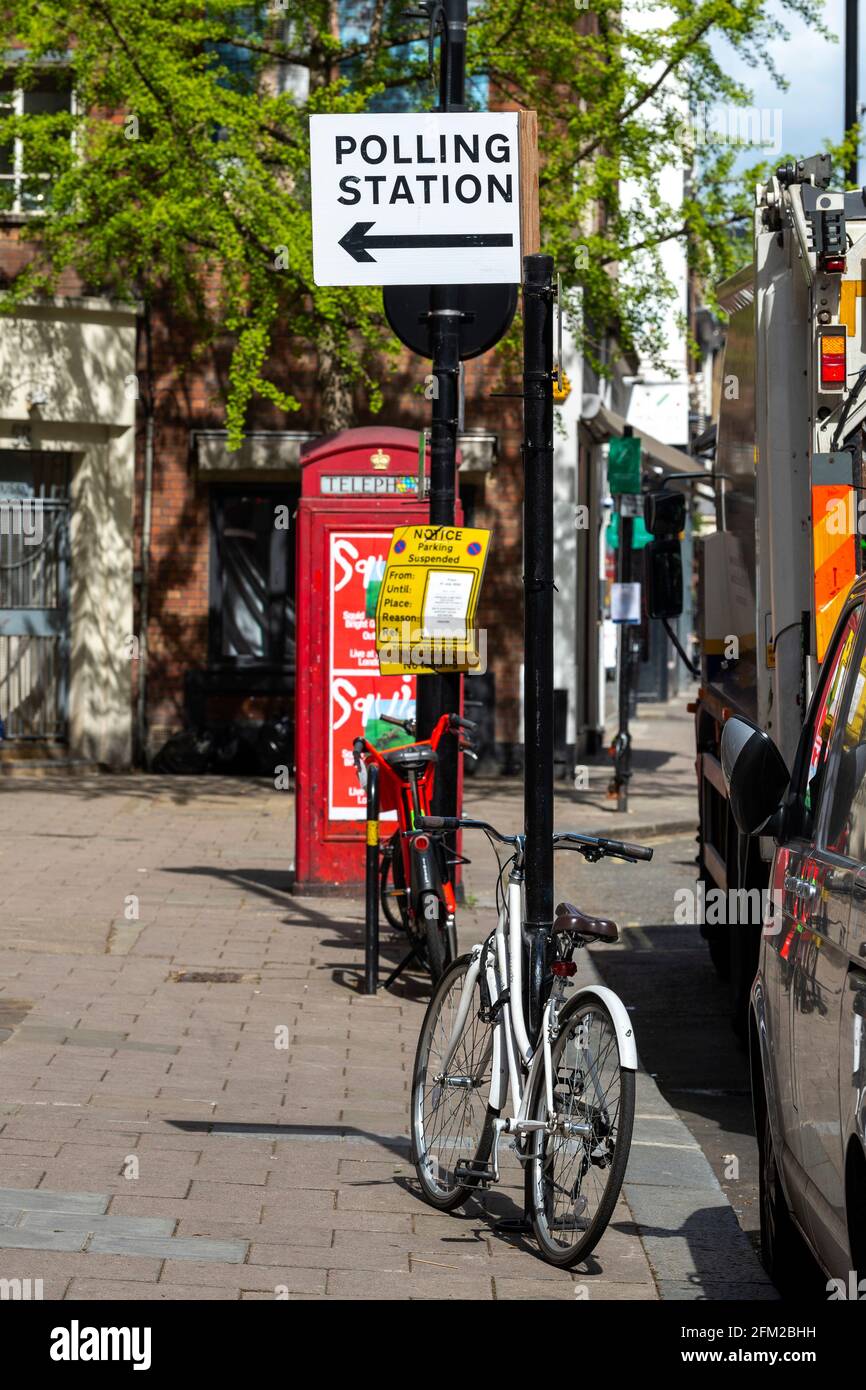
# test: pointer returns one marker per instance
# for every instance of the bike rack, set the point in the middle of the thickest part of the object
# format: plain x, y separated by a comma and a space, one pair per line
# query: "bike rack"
371, 873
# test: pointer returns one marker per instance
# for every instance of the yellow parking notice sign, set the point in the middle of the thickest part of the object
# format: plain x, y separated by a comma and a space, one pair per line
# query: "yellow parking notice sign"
425, 615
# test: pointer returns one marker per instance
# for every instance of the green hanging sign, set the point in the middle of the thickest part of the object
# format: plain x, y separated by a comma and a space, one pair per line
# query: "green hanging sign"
623, 464
640, 536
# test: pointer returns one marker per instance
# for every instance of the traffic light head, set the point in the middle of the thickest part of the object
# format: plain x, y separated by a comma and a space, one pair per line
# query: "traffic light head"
663, 575
664, 513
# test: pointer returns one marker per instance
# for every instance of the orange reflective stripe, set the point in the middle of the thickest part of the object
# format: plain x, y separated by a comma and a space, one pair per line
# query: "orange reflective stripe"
833, 556
851, 291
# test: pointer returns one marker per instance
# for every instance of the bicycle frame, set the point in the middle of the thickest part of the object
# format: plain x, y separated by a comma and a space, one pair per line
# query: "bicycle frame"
410, 796
407, 796
515, 1061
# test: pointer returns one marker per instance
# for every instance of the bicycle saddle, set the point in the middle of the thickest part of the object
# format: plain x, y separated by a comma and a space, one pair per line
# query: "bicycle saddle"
570, 919
414, 757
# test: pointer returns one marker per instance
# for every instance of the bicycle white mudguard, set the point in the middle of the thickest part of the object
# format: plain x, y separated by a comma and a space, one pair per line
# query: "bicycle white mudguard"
621, 1021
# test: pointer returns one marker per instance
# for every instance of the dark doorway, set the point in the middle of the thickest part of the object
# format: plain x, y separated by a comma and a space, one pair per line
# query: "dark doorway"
252, 577
248, 686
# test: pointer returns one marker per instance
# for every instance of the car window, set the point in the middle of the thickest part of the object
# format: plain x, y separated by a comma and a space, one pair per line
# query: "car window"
825, 720
844, 827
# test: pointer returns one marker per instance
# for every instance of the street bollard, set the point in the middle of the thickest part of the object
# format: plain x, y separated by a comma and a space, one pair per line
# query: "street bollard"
371, 912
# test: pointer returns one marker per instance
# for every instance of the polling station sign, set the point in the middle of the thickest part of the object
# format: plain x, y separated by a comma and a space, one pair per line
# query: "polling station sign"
431, 199
425, 615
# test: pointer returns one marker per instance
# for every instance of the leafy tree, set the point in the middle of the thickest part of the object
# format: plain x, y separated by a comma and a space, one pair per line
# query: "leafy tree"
188, 173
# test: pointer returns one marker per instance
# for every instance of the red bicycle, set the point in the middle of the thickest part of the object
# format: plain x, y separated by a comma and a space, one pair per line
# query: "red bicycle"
416, 889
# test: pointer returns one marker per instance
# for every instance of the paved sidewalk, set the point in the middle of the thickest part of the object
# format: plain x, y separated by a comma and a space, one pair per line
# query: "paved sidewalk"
662, 791
197, 1102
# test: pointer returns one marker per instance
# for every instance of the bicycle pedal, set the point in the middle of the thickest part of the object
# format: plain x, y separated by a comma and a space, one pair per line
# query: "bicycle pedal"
474, 1175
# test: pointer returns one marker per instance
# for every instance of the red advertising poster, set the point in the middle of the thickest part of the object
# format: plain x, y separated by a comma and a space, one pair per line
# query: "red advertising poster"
358, 693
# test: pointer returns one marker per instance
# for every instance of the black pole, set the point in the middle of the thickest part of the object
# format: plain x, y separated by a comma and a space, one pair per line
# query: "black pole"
440, 694
852, 114
622, 743
538, 298
452, 70
371, 910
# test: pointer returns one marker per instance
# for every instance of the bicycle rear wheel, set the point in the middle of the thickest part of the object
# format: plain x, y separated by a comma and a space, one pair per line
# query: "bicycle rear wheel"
451, 1122
392, 886
573, 1179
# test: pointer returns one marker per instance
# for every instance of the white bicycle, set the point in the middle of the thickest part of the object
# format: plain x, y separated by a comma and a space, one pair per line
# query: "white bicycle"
572, 1087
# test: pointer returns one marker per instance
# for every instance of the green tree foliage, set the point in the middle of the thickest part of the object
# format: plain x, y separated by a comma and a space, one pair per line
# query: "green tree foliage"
183, 170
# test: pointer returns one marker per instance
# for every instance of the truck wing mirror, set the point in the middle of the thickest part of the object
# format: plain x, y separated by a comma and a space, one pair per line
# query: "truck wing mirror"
755, 774
664, 578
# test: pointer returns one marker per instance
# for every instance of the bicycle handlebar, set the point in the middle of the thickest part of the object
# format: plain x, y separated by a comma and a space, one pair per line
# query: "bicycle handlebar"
464, 823
588, 844
620, 849
459, 723
455, 721
407, 724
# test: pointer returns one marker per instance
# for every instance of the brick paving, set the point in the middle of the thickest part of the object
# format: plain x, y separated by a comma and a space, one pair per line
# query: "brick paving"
165, 1137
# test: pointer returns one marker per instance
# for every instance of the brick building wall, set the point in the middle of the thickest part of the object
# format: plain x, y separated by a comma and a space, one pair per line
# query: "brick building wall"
188, 391
179, 527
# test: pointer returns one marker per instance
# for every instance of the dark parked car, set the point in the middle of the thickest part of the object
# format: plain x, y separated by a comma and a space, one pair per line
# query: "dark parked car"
808, 1001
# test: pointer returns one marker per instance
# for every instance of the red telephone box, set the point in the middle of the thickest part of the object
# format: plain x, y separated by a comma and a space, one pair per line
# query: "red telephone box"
355, 488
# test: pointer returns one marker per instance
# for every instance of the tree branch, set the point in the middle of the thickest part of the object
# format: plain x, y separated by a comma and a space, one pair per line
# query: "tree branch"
372, 52
134, 63
649, 91
684, 230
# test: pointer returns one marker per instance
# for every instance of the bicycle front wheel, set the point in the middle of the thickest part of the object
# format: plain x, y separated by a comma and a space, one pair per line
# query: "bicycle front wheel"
451, 1123
575, 1173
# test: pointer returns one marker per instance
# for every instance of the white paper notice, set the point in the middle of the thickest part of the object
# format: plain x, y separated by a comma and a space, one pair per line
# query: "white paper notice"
625, 603
446, 603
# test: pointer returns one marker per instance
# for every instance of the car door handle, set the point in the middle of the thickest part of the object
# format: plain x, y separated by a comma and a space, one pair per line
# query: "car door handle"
802, 888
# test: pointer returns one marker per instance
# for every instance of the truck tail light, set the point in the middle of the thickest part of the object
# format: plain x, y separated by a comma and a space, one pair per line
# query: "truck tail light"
832, 358
833, 265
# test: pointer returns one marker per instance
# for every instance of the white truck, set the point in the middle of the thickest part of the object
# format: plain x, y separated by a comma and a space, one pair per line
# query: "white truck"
790, 539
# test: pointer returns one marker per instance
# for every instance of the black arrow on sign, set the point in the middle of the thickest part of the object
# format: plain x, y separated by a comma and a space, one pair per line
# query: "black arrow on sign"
357, 241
